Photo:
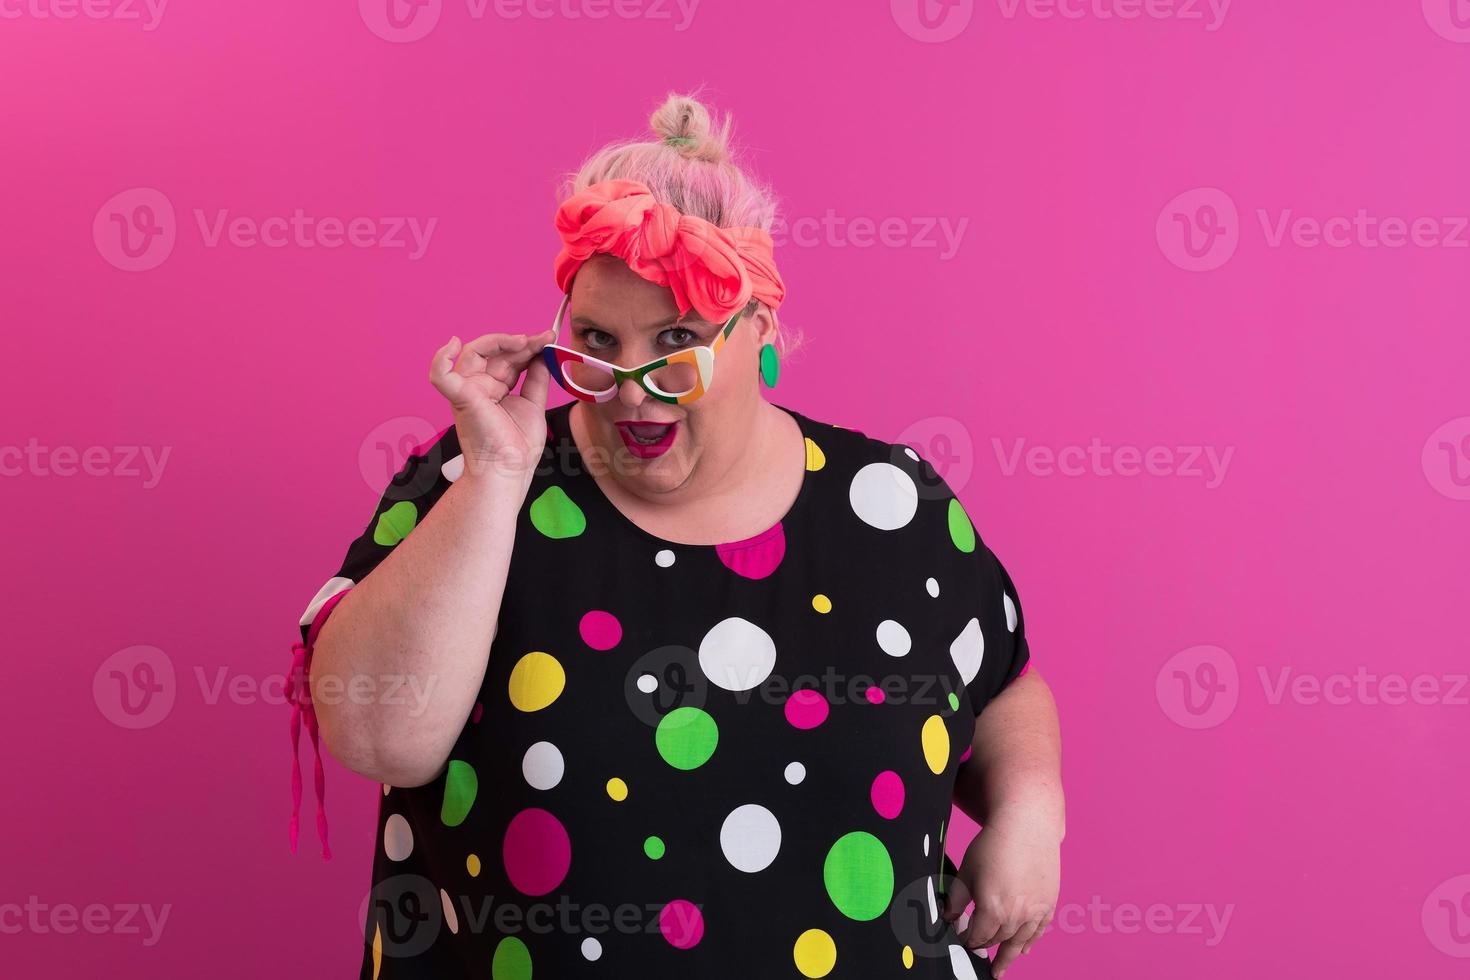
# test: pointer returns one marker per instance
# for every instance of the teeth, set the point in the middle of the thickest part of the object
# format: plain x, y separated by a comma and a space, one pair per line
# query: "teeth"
651, 438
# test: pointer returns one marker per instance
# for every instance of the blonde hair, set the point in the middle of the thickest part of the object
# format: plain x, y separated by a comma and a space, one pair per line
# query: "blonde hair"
691, 165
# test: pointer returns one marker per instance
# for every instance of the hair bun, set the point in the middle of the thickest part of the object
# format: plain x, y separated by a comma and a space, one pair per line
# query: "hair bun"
684, 124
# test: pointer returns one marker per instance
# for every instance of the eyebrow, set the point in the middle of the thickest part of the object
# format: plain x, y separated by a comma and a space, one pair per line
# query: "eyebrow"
669, 321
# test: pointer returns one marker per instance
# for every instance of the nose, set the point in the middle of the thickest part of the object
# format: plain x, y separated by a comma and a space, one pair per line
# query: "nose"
630, 394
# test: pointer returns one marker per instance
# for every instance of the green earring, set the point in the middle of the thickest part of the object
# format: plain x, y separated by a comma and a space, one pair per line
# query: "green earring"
770, 365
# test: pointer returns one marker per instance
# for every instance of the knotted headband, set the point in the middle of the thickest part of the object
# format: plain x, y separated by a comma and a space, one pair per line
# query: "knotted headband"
714, 270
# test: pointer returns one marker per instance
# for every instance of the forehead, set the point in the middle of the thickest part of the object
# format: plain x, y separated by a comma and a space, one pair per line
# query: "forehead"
609, 295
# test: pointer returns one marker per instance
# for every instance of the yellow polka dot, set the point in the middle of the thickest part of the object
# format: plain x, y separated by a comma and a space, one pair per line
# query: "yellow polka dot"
815, 458
908, 957
472, 865
815, 953
935, 738
821, 603
536, 680
377, 950
617, 789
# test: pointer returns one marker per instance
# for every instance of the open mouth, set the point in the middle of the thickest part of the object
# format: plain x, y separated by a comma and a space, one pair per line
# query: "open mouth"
647, 439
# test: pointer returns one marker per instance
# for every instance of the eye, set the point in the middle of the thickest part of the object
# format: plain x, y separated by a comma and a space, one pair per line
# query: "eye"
594, 339
684, 336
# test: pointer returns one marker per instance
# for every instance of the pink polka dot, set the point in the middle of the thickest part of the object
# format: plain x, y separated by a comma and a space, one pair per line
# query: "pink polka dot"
874, 694
888, 794
478, 713
755, 557
966, 754
537, 852
601, 630
681, 923
806, 708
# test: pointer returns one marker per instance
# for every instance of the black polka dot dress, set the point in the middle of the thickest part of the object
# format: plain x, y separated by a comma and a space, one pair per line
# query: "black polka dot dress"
700, 762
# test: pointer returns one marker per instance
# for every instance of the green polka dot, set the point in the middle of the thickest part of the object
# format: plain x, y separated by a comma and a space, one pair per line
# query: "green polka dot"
460, 786
686, 737
512, 960
555, 515
395, 523
859, 876
954, 701
654, 847
961, 531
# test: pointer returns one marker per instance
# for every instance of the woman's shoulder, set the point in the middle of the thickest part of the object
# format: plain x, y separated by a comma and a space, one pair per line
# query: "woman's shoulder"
852, 443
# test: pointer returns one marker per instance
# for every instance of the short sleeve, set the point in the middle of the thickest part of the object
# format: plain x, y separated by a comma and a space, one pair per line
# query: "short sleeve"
428, 471
996, 606
979, 605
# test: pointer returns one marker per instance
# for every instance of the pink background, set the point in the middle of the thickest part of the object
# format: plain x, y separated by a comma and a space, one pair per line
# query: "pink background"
1331, 832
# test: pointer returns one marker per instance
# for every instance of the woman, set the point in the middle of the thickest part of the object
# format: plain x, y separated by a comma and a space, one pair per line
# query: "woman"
673, 681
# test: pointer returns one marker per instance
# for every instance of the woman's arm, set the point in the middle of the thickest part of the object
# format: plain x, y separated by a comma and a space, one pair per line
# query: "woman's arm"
1016, 757
414, 636
1012, 786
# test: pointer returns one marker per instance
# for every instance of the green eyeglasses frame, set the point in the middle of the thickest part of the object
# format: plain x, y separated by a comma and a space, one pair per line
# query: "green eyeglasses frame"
702, 358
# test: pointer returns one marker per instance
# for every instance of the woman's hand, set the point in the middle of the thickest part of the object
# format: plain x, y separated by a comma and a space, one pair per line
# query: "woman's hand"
1012, 872
501, 434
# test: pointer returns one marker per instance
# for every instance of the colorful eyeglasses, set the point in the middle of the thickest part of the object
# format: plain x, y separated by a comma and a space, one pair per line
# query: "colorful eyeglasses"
677, 379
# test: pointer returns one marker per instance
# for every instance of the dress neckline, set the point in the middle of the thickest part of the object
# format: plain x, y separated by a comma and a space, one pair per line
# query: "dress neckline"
560, 426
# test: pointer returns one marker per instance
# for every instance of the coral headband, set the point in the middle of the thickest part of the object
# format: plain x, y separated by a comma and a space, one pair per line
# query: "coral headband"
714, 270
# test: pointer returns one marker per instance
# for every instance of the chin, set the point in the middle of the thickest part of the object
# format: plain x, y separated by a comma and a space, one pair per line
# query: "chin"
659, 475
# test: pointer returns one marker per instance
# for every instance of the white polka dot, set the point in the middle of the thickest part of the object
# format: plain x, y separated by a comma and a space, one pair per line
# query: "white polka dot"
450, 917
883, 496
647, 683
543, 765
959, 962
331, 588
397, 838
909, 451
968, 650
1010, 612
750, 837
893, 639
591, 948
736, 654
795, 773
926, 845
454, 469
664, 558
933, 901
386, 788
933, 586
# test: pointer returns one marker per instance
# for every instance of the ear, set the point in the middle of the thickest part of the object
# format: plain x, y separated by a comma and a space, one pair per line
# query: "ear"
766, 325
